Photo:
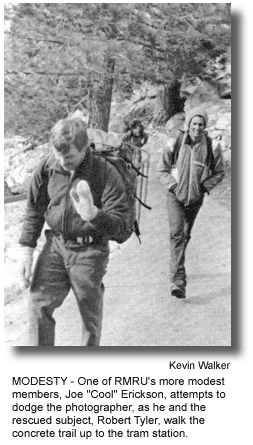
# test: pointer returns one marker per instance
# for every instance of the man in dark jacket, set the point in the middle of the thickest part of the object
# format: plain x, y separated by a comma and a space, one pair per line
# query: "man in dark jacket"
137, 137
188, 169
82, 199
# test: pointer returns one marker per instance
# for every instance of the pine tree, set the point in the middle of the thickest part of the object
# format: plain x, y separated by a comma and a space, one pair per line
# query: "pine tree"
60, 57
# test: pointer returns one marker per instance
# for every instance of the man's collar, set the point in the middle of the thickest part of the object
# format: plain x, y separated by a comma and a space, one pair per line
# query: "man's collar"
85, 162
189, 141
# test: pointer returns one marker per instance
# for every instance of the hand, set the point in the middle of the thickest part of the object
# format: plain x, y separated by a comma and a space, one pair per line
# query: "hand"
26, 266
83, 201
203, 189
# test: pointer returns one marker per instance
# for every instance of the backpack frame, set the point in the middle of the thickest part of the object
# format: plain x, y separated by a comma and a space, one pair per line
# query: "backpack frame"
134, 187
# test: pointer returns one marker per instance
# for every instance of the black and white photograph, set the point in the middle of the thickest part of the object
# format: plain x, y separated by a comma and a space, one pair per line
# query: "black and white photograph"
117, 174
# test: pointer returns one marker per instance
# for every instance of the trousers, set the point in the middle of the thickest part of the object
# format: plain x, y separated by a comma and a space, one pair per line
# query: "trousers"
62, 266
181, 220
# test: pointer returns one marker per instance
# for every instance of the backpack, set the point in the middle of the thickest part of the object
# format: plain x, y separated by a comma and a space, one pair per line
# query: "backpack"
129, 175
210, 162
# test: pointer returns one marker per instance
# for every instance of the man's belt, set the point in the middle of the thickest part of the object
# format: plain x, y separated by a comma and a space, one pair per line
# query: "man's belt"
81, 240
88, 239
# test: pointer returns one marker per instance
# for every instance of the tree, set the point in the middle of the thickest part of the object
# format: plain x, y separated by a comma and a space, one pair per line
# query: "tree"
66, 56
181, 39
64, 53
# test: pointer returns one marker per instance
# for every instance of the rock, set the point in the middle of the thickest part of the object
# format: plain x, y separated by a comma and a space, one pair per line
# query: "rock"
188, 87
174, 124
81, 115
203, 95
226, 94
227, 159
102, 140
223, 78
17, 180
226, 141
7, 190
19, 165
148, 91
143, 110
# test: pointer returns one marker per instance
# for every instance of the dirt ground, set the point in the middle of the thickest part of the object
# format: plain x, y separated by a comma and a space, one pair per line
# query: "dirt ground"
138, 307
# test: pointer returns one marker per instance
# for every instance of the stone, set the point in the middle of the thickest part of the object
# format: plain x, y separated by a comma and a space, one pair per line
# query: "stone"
176, 121
204, 94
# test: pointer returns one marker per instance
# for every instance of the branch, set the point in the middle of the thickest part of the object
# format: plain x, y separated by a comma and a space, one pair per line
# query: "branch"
58, 42
40, 73
47, 73
141, 43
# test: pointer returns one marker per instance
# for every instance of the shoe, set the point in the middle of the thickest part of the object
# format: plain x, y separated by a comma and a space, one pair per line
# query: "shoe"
178, 289
179, 293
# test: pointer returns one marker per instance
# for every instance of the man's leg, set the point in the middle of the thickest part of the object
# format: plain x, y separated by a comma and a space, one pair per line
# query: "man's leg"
177, 245
86, 276
190, 216
50, 286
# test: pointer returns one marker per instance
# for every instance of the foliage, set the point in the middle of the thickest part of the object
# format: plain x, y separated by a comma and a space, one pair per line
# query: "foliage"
56, 54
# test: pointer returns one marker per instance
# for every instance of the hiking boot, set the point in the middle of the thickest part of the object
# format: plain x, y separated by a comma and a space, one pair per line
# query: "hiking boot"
178, 289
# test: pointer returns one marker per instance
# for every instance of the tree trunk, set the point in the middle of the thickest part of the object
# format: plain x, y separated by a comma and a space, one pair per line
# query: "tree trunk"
168, 102
101, 98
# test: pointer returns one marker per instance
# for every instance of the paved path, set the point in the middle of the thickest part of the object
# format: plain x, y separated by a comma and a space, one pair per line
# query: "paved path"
138, 307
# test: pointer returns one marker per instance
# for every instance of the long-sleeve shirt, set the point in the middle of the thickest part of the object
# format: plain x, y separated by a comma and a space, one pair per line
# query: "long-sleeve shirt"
49, 200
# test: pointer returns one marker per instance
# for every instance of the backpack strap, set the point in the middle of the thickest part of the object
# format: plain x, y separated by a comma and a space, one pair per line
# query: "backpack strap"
210, 156
138, 172
143, 203
136, 230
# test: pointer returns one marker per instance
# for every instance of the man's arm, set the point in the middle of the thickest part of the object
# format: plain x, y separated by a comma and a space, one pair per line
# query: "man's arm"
144, 138
164, 170
126, 136
37, 203
219, 170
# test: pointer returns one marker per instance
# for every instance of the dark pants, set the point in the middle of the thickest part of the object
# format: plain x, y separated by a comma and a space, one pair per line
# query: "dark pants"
62, 266
181, 220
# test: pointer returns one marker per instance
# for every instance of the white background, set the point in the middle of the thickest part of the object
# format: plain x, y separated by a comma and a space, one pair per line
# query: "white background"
231, 420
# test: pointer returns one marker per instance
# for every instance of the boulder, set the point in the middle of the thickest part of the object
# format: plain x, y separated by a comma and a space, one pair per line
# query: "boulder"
143, 110
203, 95
83, 115
223, 79
147, 91
188, 86
103, 140
174, 124
19, 165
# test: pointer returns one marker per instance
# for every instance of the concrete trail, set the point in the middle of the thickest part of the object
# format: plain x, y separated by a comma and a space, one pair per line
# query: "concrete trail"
138, 307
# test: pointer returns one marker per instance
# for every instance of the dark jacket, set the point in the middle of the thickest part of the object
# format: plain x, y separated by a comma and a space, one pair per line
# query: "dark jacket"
138, 141
49, 200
